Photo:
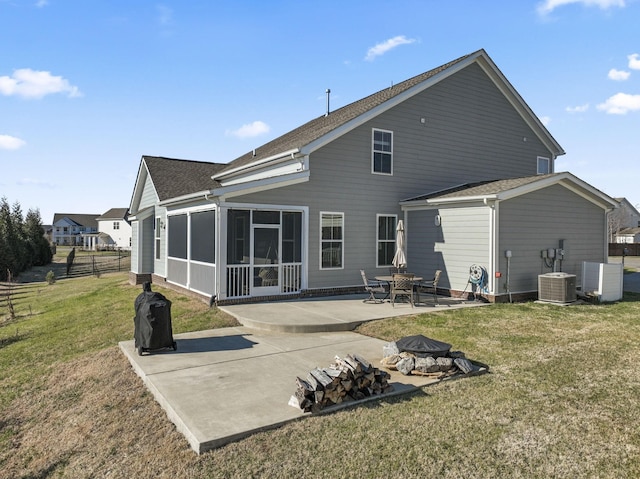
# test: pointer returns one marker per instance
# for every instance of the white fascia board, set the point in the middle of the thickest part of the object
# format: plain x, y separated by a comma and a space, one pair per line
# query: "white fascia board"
286, 166
142, 214
285, 155
263, 184
141, 178
185, 198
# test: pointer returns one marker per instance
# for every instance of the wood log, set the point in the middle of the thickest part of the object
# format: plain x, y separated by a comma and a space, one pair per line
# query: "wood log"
321, 377
365, 365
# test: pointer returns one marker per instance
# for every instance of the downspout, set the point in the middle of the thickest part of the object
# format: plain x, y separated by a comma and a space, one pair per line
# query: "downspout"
493, 244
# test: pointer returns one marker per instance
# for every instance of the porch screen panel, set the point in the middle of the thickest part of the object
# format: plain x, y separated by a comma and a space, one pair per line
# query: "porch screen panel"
238, 241
203, 224
291, 237
178, 236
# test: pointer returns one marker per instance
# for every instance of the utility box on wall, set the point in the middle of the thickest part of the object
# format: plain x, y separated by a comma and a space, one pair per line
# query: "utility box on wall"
557, 287
602, 280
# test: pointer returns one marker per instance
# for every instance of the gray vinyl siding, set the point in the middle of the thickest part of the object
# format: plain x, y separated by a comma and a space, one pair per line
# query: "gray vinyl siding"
149, 196
147, 253
537, 221
471, 133
135, 247
462, 239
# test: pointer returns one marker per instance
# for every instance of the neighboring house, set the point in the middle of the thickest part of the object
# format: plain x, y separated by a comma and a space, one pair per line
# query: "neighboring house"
455, 152
624, 223
628, 235
69, 228
114, 231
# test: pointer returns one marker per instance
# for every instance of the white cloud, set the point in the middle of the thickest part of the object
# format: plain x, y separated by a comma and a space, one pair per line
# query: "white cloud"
634, 61
545, 120
11, 142
620, 104
29, 83
618, 75
577, 109
249, 130
165, 15
42, 3
384, 47
548, 6
36, 182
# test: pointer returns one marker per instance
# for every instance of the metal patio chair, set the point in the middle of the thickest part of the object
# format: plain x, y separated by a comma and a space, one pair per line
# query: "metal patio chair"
373, 288
402, 285
429, 286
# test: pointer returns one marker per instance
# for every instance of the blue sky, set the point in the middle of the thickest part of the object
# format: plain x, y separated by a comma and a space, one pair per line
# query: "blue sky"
88, 87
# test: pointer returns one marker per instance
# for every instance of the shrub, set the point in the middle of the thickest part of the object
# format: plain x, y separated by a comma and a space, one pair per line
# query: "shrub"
50, 277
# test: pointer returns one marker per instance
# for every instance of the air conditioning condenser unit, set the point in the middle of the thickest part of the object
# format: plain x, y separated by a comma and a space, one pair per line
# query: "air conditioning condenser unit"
557, 287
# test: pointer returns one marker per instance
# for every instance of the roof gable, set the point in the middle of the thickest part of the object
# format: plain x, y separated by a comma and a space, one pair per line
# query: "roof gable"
319, 131
173, 178
504, 189
74, 219
114, 214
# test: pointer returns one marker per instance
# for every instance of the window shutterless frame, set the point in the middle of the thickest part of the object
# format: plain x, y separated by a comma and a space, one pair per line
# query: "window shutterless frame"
543, 165
385, 239
331, 240
381, 152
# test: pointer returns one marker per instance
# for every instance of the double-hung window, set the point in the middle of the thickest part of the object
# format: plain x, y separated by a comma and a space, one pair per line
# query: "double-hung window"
386, 239
331, 240
382, 152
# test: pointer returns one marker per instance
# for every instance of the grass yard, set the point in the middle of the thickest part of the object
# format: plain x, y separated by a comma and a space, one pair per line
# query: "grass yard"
561, 399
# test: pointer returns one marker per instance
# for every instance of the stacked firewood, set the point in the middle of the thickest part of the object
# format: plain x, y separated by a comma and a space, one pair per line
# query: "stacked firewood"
347, 379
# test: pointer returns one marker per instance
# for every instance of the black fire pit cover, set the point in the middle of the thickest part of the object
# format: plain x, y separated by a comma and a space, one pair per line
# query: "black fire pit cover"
420, 344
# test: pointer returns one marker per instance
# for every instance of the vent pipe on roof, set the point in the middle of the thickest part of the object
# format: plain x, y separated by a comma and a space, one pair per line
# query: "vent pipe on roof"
328, 95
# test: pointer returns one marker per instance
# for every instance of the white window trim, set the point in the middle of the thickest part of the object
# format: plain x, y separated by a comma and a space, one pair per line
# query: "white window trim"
341, 214
373, 151
548, 165
378, 240
157, 254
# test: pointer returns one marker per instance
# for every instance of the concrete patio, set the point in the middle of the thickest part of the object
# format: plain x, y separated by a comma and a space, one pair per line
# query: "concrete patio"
222, 385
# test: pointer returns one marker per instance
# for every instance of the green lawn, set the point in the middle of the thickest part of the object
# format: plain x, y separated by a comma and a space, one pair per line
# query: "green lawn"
561, 399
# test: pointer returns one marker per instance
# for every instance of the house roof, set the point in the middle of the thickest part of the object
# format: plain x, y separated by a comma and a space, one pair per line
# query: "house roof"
629, 231
78, 219
312, 132
173, 178
115, 214
503, 189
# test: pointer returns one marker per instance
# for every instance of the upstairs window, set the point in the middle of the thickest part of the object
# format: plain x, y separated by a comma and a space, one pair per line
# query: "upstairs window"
116, 225
544, 165
382, 152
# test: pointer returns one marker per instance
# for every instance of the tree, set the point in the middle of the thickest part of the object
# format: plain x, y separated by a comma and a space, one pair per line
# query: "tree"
22, 244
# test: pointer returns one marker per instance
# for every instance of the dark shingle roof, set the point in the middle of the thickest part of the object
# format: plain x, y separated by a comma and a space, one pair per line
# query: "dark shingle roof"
115, 214
79, 219
481, 188
320, 126
173, 178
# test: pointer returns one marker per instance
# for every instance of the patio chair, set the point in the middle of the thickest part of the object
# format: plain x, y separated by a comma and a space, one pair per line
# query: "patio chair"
402, 285
373, 288
429, 286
